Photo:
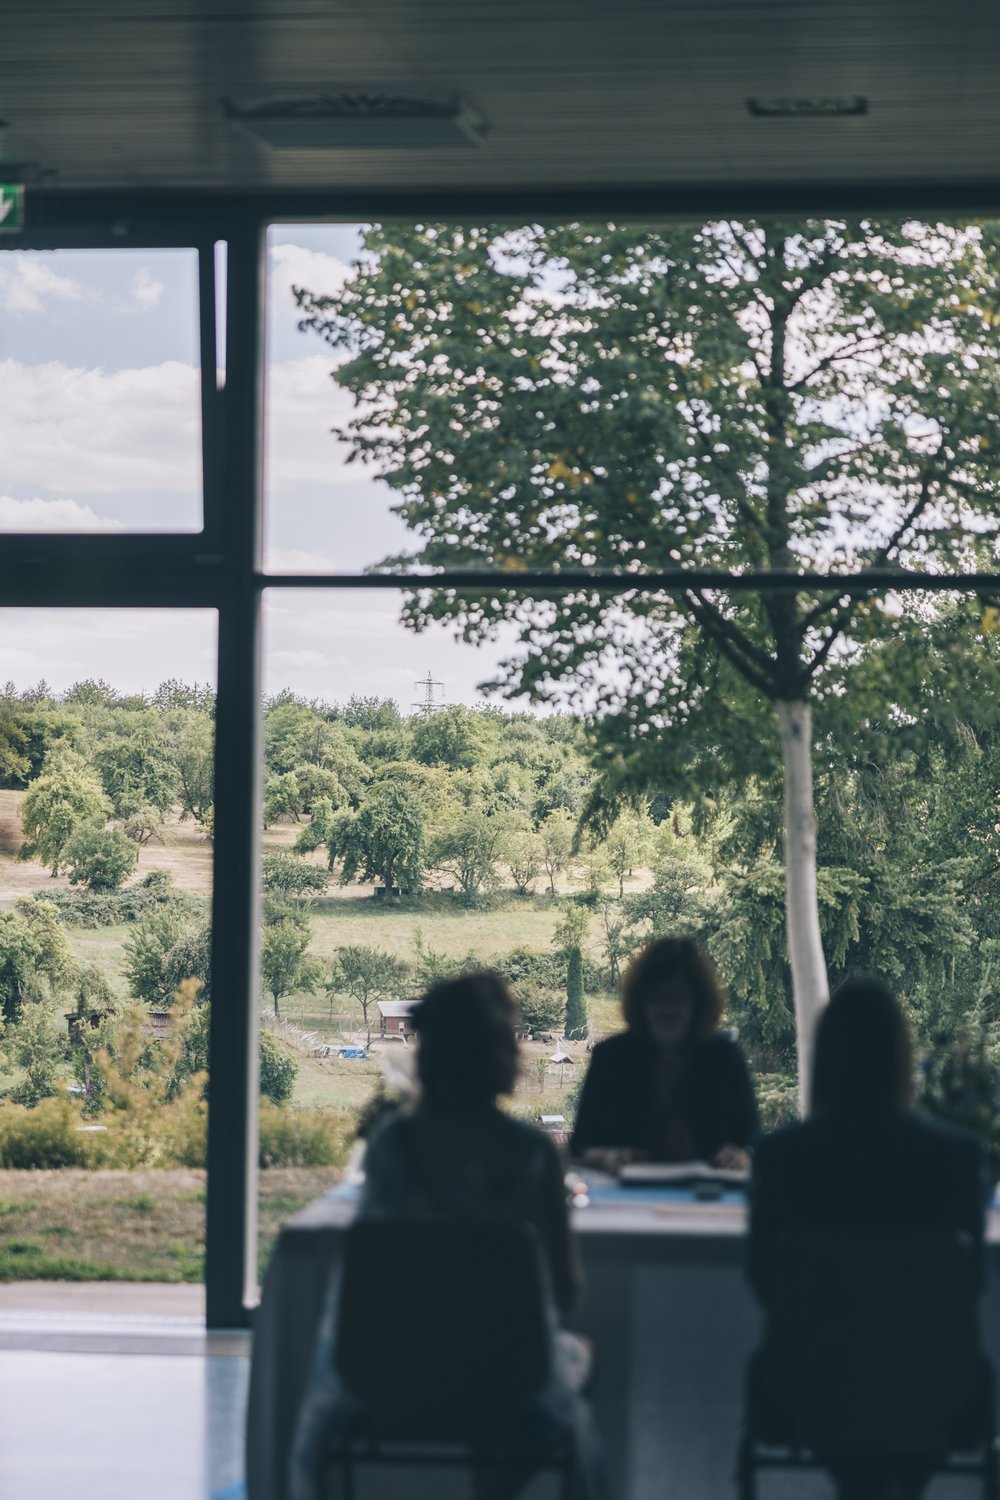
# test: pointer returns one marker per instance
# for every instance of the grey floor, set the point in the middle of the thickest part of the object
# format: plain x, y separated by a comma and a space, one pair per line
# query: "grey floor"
119, 1407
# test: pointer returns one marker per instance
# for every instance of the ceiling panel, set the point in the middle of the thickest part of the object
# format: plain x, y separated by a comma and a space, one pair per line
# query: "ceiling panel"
130, 93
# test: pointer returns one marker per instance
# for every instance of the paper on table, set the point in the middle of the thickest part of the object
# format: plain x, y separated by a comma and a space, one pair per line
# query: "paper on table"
673, 1173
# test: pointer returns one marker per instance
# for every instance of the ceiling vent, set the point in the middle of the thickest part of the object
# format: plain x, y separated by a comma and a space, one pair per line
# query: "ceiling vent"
830, 107
358, 121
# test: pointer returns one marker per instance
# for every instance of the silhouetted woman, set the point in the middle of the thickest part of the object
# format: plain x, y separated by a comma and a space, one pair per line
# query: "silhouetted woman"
671, 1087
456, 1155
863, 1161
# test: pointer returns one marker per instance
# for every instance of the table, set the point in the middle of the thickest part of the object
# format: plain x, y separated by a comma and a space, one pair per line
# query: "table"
667, 1306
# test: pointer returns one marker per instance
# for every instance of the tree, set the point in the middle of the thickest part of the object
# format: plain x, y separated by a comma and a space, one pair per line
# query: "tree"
469, 847
144, 952
66, 794
626, 844
367, 974
284, 962
35, 961
99, 858
523, 859
31, 1045
738, 396
383, 840
189, 738
556, 843
135, 768
282, 798
569, 936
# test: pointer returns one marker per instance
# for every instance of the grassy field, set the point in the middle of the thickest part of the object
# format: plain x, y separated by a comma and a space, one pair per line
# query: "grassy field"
128, 1226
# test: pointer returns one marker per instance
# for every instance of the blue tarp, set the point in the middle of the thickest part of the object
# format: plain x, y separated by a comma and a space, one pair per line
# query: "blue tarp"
352, 1052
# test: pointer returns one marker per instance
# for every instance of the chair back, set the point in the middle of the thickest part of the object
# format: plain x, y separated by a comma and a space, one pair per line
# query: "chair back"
872, 1340
444, 1326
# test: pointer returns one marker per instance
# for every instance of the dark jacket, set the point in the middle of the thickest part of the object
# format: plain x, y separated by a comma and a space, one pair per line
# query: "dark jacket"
617, 1104
892, 1173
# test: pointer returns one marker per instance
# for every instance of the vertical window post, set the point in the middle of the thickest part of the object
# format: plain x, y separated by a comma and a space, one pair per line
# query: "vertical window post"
231, 1238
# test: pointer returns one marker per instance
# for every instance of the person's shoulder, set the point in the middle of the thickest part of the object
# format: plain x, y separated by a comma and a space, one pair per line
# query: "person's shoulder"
390, 1131
720, 1051
522, 1140
618, 1048
786, 1144
942, 1136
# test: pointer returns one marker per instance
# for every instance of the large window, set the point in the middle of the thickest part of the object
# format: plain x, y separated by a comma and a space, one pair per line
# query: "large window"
674, 487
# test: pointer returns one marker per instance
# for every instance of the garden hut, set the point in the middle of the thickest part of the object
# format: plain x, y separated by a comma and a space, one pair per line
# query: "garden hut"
394, 1019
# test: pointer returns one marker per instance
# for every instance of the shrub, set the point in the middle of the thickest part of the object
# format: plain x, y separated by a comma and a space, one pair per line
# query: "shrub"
278, 1069
155, 893
303, 1137
43, 1137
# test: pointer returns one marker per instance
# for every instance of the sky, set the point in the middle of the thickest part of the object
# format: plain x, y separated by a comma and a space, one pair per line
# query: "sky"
100, 431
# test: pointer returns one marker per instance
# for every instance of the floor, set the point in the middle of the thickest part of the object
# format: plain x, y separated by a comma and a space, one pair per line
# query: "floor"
116, 1393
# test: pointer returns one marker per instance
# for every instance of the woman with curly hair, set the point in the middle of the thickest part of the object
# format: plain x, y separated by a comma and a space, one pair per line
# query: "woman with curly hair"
671, 1087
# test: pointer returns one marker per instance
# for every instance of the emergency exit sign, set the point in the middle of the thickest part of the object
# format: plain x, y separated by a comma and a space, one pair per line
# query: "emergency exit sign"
11, 207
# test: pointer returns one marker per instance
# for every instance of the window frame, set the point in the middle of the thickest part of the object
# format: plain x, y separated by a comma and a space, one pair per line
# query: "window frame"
220, 567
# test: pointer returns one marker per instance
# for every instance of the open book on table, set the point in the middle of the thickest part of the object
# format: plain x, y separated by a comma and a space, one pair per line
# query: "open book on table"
677, 1173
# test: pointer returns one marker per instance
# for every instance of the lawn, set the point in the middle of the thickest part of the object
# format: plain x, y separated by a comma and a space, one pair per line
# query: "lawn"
128, 1226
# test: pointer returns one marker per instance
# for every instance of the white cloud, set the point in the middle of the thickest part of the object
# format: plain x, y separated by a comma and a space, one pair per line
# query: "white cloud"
303, 405
146, 290
298, 560
26, 282
51, 515
69, 431
294, 265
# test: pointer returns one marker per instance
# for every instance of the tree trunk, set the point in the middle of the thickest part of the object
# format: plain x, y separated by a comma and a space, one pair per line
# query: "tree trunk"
810, 988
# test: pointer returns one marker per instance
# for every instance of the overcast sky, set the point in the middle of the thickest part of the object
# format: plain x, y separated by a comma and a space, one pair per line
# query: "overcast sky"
100, 431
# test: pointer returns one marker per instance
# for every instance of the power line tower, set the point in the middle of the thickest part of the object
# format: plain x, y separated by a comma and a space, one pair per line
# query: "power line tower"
429, 704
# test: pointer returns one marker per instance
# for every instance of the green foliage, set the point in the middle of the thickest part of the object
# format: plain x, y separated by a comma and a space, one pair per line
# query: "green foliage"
575, 1026
34, 958
42, 1138
384, 839
284, 962
189, 741
65, 795
278, 1069
470, 846
31, 1046
99, 858
135, 768
144, 952
302, 1137
287, 876
155, 892
282, 798
960, 1082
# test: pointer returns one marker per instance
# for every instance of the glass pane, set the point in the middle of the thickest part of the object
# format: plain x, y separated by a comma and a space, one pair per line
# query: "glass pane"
736, 395
357, 709
100, 405
106, 740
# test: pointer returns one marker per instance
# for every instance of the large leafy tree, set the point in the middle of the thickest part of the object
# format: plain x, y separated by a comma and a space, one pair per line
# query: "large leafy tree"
65, 796
368, 974
738, 396
383, 840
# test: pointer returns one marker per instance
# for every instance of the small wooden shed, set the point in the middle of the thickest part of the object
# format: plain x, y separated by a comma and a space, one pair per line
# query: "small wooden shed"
394, 1018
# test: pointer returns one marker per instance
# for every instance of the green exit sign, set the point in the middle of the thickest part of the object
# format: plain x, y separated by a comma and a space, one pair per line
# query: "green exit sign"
11, 207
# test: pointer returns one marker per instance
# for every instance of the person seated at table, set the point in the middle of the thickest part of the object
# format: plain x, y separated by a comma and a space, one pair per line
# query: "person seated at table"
455, 1154
672, 1087
863, 1161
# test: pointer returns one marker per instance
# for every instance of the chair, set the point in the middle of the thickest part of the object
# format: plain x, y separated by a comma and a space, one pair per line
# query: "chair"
871, 1360
444, 1338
